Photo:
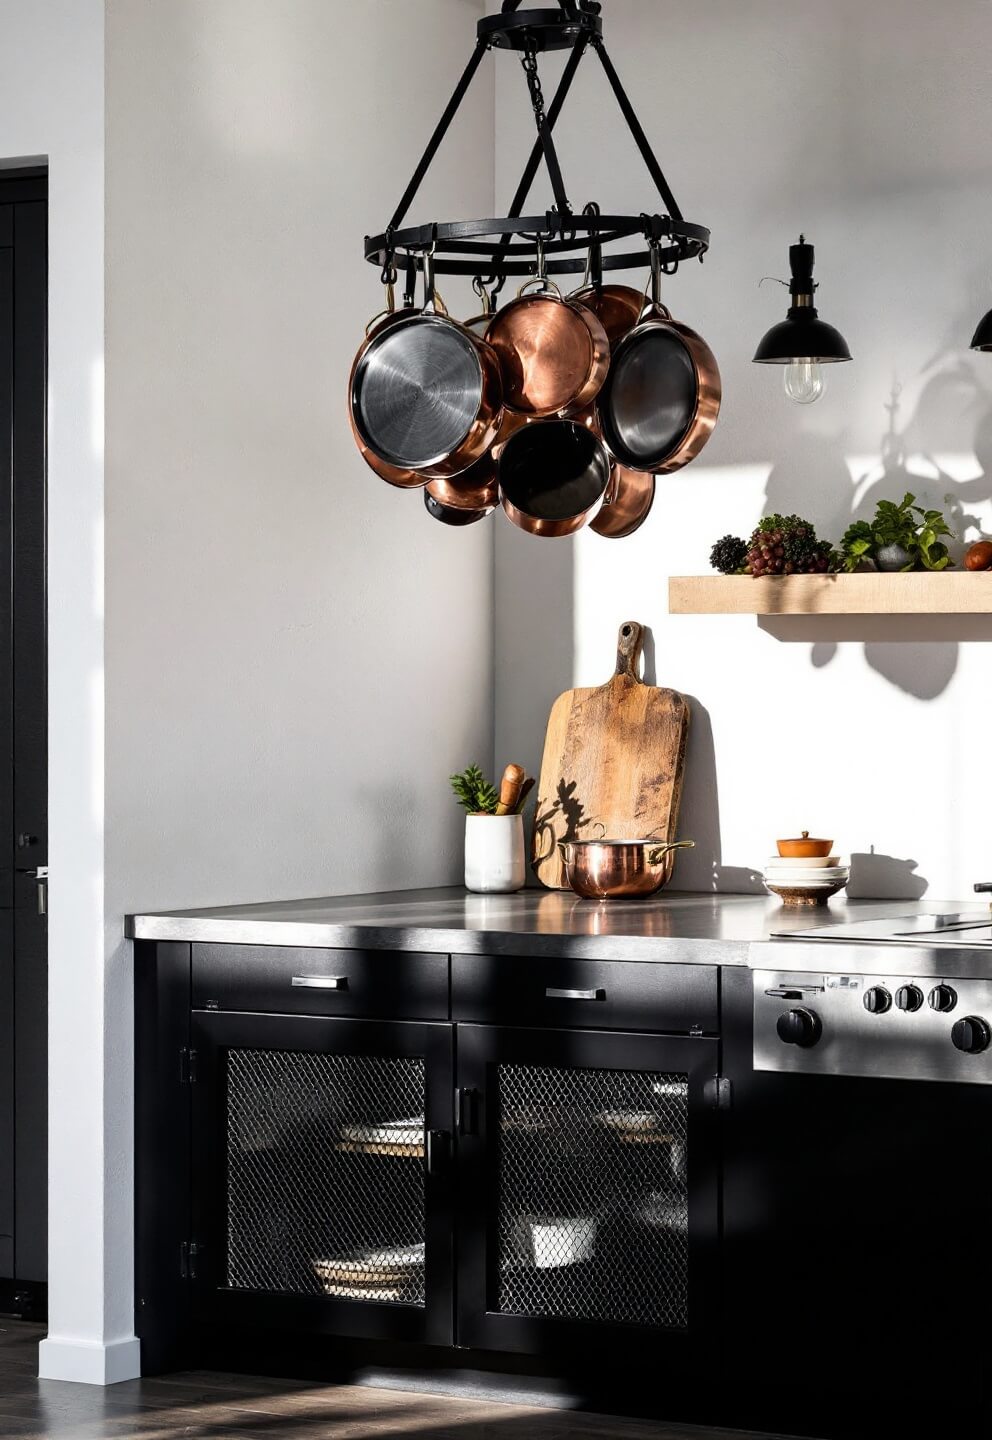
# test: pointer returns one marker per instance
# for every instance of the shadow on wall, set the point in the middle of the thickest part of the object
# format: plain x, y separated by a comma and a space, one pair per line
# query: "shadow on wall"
884, 877
699, 818
952, 398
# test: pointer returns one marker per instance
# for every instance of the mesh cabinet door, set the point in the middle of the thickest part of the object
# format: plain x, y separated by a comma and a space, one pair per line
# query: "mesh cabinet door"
592, 1169
322, 1173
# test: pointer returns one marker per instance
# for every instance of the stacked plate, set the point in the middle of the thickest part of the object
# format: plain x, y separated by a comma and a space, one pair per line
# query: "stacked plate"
805, 880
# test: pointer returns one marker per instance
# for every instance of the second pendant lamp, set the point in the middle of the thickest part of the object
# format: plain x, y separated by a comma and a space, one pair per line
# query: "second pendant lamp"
802, 342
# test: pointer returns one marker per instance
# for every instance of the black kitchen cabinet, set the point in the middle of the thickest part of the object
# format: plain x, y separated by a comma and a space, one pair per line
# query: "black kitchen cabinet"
588, 1189
322, 1175
381, 1171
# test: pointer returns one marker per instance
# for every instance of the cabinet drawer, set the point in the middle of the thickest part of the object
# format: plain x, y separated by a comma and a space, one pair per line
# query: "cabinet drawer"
599, 994
288, 981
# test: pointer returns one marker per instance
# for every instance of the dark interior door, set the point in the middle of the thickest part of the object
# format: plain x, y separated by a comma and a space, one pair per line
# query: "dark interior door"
322, 1175
23, 730
588, 1184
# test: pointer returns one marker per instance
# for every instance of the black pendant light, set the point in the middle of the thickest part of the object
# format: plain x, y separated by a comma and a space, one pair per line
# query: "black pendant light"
982, 338
802, 342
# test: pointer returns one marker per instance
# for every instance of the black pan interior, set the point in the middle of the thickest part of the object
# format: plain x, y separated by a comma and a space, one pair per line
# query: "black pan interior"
450, 514
417, 391
554, 469
649, 400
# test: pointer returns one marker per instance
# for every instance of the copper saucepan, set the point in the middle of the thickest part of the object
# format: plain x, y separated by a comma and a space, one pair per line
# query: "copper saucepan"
660, 400
465, 498
553, 475
553, 354
425, 393
392, 474
617, 307
613, 869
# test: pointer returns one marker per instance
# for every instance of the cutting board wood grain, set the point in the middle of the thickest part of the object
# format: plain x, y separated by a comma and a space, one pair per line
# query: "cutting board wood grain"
614, 757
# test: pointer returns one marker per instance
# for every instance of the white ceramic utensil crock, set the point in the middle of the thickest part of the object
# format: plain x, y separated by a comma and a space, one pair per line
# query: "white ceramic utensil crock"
494, 853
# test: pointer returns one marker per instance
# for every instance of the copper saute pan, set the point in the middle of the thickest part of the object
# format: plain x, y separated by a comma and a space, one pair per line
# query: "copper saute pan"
626, 505
465, 498
660, 400
425, 393
392, 474
613, 869
616, 307
553, 354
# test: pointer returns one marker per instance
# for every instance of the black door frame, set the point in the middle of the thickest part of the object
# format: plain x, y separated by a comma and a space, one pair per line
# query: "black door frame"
23, 729
480, 1050
212, 1034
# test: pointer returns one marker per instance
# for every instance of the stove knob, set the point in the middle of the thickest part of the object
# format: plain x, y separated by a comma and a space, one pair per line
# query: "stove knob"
799, 1027
909, 997
972, 1035
877, 1000
943, 999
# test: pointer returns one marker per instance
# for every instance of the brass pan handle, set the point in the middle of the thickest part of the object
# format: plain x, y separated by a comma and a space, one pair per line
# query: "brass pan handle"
659, 851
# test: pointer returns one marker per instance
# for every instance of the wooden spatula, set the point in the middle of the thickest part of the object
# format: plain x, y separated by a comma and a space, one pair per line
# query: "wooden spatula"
614, 756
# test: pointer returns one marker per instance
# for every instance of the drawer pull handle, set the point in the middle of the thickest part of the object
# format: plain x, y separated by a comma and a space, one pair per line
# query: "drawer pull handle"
320, 982
553, 993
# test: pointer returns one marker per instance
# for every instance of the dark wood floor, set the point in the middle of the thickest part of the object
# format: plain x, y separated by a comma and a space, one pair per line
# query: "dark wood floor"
205, 1405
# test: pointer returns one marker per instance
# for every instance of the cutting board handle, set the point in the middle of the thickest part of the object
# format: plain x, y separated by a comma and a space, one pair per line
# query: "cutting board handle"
629, 642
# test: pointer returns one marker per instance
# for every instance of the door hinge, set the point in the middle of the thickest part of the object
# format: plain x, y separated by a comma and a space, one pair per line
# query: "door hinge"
189, 1253
187, 1066
719, 1092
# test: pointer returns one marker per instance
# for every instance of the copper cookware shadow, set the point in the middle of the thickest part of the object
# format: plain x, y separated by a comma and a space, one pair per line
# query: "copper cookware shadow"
626, 505
553, 476
617, 869
661, 398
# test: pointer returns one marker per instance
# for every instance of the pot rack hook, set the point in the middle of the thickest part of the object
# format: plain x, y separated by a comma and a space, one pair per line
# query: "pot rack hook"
484, 294
594, 254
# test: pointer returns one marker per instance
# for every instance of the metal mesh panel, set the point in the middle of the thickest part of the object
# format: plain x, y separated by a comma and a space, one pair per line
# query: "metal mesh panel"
326, 1175
593, 1205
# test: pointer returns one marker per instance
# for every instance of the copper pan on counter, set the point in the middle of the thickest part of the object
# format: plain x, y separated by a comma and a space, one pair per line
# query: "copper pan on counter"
618, 869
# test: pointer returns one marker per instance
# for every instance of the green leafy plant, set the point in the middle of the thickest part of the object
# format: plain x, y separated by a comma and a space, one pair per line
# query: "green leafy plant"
474, 792
918, 531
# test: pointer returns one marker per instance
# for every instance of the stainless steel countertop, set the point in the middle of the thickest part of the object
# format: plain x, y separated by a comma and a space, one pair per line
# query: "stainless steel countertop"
675, 926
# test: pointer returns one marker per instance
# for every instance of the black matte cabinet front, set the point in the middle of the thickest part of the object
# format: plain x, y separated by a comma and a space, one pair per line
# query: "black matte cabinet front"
322, 1175
588, 1192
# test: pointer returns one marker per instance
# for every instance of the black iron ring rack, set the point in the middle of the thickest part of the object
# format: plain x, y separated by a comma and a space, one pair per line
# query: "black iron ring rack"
485, 249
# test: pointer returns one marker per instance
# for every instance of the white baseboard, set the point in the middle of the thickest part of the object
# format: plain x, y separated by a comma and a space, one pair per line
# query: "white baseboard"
88, 1362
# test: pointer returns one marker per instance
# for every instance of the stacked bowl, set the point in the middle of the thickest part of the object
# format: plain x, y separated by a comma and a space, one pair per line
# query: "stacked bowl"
805, 872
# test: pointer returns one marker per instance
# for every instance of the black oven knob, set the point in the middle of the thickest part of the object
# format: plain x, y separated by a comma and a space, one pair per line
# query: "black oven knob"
909, 997
877, 1000
972, 1035
943, 999
799, 1027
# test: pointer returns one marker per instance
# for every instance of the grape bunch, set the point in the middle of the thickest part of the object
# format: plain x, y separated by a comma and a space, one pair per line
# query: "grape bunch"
779, 545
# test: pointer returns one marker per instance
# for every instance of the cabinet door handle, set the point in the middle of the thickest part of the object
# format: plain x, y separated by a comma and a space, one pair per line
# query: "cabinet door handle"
467, 1111
320, 982
554, 993
438, 1149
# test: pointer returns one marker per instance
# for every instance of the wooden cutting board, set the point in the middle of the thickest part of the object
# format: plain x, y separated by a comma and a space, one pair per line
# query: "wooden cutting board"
613, 761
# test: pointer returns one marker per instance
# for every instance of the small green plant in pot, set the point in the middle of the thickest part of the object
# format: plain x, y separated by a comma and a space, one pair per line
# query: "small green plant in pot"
494, 829
898, 537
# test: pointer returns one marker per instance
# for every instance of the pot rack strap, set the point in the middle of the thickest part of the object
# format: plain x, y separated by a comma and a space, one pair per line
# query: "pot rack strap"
637, 130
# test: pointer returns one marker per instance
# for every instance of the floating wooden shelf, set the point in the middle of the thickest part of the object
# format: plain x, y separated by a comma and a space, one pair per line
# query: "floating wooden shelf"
917, 593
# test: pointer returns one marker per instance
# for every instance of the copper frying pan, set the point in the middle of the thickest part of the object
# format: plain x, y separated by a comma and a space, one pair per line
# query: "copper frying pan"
661, 398
553, 353
425, 392
553, 475
626, 505
392, 474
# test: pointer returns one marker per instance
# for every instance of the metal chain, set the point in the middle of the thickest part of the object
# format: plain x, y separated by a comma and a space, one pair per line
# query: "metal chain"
529, 61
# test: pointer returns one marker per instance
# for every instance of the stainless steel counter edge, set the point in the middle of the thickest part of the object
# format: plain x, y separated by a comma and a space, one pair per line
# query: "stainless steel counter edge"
674, 927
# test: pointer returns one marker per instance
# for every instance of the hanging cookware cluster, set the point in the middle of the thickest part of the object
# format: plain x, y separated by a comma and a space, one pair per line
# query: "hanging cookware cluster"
560, 408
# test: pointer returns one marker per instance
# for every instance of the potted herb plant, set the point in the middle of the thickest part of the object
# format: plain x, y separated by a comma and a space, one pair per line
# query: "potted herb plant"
898, 537
494, 829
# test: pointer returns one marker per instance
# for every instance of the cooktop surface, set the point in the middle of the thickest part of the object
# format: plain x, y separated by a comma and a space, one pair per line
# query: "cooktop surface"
964, 929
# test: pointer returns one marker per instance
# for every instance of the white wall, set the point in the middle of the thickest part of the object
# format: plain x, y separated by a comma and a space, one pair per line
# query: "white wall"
51, 105
297, 655
866, 126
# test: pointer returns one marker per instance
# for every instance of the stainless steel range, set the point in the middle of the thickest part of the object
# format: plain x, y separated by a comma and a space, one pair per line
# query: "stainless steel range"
907, 999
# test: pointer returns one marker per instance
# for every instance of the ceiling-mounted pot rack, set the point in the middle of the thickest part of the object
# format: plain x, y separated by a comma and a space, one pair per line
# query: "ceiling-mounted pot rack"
486, 249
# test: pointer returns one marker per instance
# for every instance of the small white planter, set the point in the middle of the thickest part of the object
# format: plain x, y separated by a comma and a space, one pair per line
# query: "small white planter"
494, 853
